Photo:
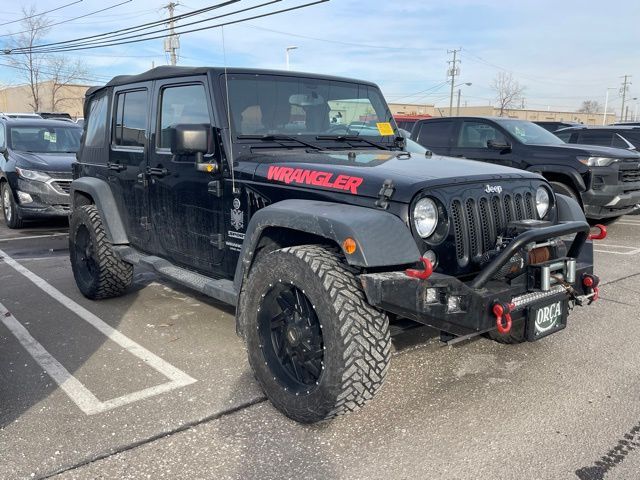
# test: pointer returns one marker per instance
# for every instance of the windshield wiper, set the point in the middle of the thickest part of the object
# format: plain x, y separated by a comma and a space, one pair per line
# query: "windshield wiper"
351, 138
268, 137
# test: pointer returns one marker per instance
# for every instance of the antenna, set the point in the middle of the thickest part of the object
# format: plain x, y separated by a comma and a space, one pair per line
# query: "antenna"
226, 86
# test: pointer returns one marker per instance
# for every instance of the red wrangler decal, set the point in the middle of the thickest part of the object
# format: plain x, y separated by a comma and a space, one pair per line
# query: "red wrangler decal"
314, 177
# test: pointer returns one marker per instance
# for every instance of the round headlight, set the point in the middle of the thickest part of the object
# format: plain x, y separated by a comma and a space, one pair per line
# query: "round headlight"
542, 201
425, 217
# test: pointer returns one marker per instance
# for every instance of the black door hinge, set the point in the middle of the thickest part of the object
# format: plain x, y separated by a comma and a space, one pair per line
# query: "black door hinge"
385, 194
217, 240
144, 223
215, 188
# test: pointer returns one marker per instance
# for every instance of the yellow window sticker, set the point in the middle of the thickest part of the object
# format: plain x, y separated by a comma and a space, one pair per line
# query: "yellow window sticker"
385, 129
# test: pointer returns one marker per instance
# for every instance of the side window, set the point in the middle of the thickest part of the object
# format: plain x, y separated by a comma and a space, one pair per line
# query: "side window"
435, 134
564, 136
595, 138
184, 104
97, 122
620, 142
477, 134
130, 119
2, 137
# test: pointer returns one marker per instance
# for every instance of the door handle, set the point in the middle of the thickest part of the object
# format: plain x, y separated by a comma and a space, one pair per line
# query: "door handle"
157, 171
116, 166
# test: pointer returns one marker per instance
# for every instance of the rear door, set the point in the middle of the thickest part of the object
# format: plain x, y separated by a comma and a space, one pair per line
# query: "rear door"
186, 219
436, 135
127, 163
471, 142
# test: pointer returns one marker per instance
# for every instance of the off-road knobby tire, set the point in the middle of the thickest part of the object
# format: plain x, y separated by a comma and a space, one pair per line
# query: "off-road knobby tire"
515, 335
355, 335
112, 276
16, 220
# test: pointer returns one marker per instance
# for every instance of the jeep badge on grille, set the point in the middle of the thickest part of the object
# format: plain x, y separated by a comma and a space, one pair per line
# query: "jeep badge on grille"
493, 189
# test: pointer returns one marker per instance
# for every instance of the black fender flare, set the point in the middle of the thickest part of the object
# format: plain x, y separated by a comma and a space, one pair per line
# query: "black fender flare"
382, 239
568, 209
572, 173
100, 192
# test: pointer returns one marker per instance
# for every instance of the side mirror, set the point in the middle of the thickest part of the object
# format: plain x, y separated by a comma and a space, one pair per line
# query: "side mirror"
194, 139
500, 146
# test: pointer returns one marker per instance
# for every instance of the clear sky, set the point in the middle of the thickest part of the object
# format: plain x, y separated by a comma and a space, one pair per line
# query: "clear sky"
562, 51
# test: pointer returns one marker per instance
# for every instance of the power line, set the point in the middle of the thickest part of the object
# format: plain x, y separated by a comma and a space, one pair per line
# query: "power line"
233, 22
71, 19
133, 28
41, 13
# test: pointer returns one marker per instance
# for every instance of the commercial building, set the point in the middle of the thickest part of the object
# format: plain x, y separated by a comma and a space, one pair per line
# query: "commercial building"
67, 98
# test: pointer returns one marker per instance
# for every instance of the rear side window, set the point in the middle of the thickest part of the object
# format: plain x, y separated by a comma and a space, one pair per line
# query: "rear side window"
595, 138
184, 104
97, 122
435, 134
131, 119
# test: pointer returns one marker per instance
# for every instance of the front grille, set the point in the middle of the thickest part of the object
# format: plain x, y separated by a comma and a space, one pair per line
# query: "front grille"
630, 176
478, 222
62, 185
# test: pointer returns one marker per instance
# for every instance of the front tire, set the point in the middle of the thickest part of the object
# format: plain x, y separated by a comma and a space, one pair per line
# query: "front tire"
317, 348
9, 208
564, 189
98, 271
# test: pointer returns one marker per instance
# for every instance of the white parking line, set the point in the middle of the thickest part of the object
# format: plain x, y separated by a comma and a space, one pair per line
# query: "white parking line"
617, 249
31, 237
80, 395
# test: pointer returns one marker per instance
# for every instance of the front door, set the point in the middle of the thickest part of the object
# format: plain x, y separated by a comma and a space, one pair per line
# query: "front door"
472, 143
185, 217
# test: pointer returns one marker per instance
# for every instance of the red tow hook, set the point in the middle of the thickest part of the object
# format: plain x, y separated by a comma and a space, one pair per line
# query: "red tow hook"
421, 274
503, 311
601, 235
591, 282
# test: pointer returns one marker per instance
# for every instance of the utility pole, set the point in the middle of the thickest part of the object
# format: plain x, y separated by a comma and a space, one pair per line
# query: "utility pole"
623, 93
458, 105
172, 42
453, 72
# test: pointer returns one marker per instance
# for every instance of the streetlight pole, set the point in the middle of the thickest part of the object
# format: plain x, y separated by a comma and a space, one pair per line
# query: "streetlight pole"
468, 84
287, 50
606, 105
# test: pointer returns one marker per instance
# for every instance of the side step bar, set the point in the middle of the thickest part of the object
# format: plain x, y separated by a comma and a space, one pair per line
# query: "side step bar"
221, 290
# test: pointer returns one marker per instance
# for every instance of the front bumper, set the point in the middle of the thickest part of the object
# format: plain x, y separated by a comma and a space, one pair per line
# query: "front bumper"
614, 191
463, 308
47, 199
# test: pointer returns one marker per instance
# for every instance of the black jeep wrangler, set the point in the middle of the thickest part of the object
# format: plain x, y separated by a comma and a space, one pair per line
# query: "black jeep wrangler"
320, 228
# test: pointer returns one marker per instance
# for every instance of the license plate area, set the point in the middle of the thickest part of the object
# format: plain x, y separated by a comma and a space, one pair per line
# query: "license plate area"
545, 319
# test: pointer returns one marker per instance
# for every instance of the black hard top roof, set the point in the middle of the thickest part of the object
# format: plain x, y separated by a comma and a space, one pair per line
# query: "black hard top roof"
165, 71
38, 122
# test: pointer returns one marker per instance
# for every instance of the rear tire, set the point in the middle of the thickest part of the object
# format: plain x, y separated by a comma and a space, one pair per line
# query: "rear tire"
98, 271
10, 210
317, 348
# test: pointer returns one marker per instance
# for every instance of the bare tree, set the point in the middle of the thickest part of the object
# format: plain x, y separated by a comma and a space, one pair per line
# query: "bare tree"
508, 91
29, 65
61, 73
590, 106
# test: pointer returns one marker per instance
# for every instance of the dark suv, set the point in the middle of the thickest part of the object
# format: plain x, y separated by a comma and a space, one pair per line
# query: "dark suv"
626, 137
553, 125
35, 168
605, 180
238, 184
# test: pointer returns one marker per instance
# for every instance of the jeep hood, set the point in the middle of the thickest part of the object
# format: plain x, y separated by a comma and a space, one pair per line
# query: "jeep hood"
44, 162
363, 172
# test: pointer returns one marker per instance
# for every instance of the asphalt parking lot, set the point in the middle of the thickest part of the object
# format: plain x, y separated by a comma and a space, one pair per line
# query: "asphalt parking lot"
155, 384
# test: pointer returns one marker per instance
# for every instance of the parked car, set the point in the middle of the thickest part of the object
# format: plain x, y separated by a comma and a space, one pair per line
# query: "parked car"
407, 122
626, 137
56, 115
19, 115
235, 182
552, 125
628, 124
605, 180
35, 168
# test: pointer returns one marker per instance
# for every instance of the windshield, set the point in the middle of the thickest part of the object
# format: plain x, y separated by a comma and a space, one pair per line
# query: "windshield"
40, 139
529, 133
296, 106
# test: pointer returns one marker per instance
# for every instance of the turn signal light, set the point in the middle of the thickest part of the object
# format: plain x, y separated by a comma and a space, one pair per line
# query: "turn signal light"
349, 245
